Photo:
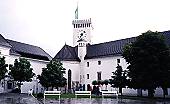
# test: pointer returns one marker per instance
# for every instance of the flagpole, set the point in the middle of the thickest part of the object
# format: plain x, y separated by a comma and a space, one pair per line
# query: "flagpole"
76, 12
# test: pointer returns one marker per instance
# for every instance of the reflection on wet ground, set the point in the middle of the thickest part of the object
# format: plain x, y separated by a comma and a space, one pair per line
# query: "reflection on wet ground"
104, 101
14, 98
25, 99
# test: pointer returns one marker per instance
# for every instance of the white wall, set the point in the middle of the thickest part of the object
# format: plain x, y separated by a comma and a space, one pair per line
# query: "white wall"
37, 65
74, 67
108, 65
4, 50
37, 88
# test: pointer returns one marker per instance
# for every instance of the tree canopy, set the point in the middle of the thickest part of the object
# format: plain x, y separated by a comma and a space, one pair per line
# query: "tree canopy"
149, 62
3, 67
53, 75
21, 70
119, 78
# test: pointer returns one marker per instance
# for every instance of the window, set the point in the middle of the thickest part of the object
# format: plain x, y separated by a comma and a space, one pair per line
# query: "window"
87, 76
87, 64
80, 77
99, 62
118, 61
99, 75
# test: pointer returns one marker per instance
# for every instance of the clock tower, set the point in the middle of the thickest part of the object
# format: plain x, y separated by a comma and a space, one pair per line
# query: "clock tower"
82, 32
81, 38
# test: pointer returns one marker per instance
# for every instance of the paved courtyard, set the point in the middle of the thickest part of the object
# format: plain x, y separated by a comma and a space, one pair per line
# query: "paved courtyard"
105, 101
25, 99
13, 98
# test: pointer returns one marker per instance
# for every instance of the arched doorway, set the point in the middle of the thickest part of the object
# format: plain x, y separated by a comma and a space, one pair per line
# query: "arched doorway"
69, 81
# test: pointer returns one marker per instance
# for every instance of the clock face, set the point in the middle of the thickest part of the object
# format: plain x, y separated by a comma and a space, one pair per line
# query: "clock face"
82, 35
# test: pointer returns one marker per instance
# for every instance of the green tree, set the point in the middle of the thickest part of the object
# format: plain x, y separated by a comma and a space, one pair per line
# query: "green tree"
119, 78
3, 66
106, 82
149, 62
94, 82
53, 75
21, 71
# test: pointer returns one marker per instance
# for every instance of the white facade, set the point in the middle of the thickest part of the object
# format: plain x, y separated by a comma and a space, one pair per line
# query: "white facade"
74, 67
107, 64
36, 64
88, 70
106, 67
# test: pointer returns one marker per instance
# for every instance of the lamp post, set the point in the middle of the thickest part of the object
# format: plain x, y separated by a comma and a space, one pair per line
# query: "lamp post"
6, 78
36, 80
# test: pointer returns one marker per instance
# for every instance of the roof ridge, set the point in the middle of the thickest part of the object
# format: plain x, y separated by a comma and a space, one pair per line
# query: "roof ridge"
164, 31
45, 52
123, 39
27, 50
22, 43
112, 41
6, 40
70, 50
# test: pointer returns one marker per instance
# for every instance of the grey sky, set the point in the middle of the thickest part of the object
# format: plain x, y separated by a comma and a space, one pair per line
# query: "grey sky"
48, 23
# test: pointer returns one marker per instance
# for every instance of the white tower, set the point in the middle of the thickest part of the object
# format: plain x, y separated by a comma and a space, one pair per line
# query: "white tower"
81, 38
82, 31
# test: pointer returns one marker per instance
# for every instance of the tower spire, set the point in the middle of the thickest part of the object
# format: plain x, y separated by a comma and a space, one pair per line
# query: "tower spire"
76, 12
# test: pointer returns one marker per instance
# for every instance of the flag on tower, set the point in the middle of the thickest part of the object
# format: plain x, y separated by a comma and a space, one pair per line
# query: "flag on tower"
76, 13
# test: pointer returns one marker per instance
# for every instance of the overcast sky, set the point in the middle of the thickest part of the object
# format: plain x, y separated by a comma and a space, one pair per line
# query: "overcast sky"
48, 23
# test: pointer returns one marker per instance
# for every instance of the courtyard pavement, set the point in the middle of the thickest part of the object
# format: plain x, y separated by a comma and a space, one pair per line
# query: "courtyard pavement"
15, 98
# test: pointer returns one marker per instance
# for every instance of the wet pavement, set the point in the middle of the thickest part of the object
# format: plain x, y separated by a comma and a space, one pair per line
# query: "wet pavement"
12, 98
105, 101
15, 98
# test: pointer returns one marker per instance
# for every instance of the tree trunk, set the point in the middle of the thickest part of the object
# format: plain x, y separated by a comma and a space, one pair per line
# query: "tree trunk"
151, 93
106, 87
139, 92
19, 86
165, 92
65, 89
120, 90
52, 88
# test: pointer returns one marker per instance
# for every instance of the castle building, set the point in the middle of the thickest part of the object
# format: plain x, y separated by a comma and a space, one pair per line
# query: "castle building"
37, 57
89, 62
